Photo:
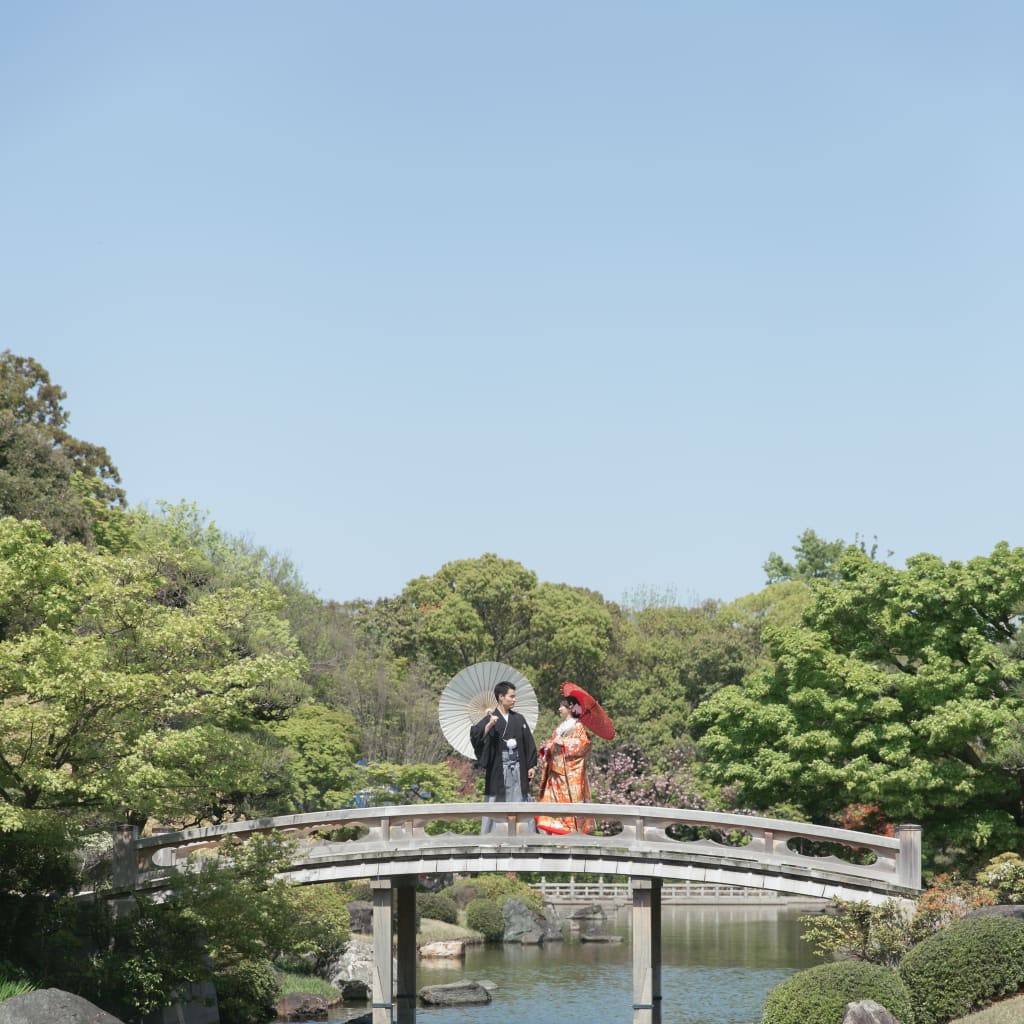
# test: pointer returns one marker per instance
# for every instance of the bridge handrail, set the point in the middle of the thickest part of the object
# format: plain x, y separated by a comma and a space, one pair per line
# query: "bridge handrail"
897, 858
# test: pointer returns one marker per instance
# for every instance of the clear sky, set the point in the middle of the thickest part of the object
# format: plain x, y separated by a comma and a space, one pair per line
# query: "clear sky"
632, 294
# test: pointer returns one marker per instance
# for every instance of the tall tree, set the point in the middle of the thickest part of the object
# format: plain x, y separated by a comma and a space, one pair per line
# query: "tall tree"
46, 474
130, 687
900, 688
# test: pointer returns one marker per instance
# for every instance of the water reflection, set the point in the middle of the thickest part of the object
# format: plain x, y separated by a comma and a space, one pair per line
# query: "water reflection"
718, 964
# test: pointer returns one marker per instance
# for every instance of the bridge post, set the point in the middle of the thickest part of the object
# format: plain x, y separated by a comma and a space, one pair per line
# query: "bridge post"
646, 950
125, 863
406, 925
909, 859
386, 912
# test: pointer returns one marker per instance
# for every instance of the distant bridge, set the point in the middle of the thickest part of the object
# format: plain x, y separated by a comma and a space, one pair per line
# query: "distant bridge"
393, 845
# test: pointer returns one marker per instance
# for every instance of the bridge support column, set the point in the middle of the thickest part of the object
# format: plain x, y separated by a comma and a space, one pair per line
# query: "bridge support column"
391, 915
646, 950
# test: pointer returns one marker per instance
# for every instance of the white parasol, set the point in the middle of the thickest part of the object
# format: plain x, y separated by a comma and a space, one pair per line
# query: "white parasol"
471, 693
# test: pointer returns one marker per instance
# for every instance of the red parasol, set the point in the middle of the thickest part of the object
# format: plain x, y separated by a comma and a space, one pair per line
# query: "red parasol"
593, 716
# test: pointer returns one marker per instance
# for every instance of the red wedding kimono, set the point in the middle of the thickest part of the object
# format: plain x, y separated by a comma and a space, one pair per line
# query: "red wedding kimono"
565, 775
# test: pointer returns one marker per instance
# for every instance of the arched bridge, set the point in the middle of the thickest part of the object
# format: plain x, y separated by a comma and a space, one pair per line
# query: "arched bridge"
646, 845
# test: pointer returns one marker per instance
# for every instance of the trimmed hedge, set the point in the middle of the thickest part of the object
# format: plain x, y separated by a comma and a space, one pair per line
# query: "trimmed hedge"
437, 906
485, 916
819, 995
965, 967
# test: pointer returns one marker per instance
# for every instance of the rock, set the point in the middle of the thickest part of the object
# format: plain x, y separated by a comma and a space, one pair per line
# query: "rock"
867, 1011
301, 1006
50, 1006
600, 937
360, 914
489, 985
458, 993
526, 926
352, 972
452, 949
595, 912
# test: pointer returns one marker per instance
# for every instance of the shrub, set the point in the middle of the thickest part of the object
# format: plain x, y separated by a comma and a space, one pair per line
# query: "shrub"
964, 967
1005, 874
819, 995
948, 898
485, 916
246, 992
437, 906
853, 930
498, 888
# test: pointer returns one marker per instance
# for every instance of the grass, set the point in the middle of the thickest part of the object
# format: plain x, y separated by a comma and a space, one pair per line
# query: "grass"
14, 988
1009, 1011
307, 984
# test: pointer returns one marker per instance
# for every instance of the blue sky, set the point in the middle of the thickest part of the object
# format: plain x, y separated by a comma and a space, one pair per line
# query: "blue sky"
630, 294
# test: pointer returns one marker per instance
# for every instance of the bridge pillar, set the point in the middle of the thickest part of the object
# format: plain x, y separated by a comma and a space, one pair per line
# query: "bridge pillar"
646, 950
909, 862
401, 913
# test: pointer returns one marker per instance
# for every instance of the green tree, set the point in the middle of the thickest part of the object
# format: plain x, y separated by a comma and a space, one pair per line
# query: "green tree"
46, 474
899, 690
323, 747
816, 559
674, 657
127, 686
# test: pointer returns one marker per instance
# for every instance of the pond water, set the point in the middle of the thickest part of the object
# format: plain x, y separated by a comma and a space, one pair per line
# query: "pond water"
718, 964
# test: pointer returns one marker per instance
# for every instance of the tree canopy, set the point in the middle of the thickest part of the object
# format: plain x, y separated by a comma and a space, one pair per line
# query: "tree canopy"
46, 474
900, 688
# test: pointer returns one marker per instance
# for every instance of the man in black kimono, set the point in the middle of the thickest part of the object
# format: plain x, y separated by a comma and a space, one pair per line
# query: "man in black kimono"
504, 748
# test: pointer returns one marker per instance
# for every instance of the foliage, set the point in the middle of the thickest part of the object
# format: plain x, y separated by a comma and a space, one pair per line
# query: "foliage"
819, 994
492, 609
898, 690
14, 981
816, 559
322, 744
496, 887
1005, 875
9, 989
484, 916
289, 982
672, 659
947, 899
964, 967
631, 776
437, 906
246, 991
853, 930
129, 685
46, 474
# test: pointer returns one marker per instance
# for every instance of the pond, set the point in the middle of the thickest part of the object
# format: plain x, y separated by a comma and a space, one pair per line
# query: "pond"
718, 964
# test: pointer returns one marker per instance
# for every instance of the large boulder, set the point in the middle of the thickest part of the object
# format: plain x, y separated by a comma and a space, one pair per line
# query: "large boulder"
360, 914
352, 972
50, 1006
526, 926
457, 993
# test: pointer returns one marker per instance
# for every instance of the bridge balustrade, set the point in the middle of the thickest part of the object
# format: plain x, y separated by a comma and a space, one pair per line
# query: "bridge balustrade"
391, 845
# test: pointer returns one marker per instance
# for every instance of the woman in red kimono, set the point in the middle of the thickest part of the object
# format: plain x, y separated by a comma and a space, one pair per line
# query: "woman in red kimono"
565, 771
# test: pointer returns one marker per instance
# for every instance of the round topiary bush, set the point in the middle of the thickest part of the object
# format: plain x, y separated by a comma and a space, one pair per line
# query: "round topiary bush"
437, 906
485, 917
819, 995
964, 967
